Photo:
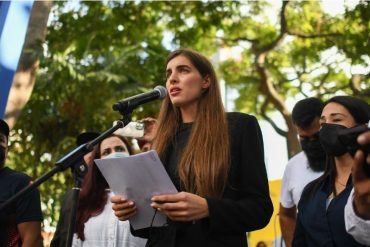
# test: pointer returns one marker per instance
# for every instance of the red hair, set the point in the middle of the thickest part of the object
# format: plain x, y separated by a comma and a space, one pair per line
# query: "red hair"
93, 195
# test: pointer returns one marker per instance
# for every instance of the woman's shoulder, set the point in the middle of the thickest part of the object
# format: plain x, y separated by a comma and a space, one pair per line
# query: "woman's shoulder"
14, 179
242, 124
233, 117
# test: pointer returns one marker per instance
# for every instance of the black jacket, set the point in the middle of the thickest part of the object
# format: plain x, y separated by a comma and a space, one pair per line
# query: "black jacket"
245, 205
321, 226
60, 235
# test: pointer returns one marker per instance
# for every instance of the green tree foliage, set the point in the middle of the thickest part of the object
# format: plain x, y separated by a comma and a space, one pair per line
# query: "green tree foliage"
95, 54
307, 53
99, 52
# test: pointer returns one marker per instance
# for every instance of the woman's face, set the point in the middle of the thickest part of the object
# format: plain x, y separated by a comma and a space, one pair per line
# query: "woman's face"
112, 145
334, 113
184, 82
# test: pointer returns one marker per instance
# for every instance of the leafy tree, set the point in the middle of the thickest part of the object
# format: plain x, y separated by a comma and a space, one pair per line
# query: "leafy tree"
95, 54
303, 55
99, 52
25, 76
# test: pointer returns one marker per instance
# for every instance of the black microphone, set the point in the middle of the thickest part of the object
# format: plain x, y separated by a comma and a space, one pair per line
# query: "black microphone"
126, 105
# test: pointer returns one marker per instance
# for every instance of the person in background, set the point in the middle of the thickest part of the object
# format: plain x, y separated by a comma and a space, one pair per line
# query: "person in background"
60, 235
215, 159
357, 209
20, 222
261, 244
320, 220
96, 224
303, 167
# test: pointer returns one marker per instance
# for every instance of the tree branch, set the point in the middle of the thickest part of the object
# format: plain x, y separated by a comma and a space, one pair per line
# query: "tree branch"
266, 85
283, 31
270, 121
354, 84
310, 36
25, 76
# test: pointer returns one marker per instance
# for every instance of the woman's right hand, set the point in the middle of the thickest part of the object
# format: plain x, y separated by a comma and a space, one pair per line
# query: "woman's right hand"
361, 182
123, 208
364, 139
150, 129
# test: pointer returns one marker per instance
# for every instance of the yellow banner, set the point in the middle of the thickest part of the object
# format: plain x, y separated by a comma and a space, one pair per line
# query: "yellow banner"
271, 234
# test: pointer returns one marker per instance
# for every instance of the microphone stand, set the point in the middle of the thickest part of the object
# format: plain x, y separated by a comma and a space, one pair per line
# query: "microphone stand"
72, 159
79, 173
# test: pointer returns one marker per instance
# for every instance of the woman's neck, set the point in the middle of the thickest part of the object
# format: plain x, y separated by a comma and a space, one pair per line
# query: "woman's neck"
344, 166
188, 113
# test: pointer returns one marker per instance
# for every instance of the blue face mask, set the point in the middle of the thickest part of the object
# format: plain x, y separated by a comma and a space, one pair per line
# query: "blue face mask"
117, 155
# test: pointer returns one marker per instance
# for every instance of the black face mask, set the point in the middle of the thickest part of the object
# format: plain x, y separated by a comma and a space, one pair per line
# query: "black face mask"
2, 156
315, 153
330, 141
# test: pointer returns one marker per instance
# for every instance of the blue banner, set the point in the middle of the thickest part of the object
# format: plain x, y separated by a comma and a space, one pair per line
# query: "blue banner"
14, 17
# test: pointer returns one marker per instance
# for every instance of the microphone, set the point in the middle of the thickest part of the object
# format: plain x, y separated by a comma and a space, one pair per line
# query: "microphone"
126, 105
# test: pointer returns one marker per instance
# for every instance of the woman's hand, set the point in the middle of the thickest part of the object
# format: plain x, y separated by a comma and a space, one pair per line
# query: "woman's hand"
361, 182
182, 206
364, 139
150, 128
123, 208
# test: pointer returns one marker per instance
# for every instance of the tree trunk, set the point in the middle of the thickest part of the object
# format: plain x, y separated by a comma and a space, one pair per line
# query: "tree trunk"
292, 141
25, 76
267, 88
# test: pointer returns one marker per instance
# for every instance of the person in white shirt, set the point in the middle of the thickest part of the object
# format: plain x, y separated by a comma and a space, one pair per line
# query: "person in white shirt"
96, 224
304, 166
357, 209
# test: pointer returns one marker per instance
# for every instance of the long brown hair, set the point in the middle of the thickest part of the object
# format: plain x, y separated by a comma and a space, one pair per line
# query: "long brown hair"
204, 163
93, 195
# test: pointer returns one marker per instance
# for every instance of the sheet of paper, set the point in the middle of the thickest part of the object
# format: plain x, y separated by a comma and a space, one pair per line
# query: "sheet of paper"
138, 178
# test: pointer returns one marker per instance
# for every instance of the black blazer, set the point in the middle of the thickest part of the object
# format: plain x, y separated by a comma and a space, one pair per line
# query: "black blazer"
245, 205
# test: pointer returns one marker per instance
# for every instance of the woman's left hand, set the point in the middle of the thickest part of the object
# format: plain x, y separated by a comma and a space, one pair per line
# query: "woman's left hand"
181, 206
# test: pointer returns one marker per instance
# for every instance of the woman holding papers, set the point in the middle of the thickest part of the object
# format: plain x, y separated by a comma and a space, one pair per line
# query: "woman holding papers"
96, 224
215, 159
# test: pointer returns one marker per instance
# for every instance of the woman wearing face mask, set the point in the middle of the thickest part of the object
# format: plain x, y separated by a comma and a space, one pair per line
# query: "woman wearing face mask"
321, 208
96, 224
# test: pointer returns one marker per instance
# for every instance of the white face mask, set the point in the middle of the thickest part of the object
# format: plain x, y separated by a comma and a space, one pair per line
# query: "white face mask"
117, 155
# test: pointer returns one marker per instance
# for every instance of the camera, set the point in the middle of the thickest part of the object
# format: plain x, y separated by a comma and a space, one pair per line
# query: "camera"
348, 137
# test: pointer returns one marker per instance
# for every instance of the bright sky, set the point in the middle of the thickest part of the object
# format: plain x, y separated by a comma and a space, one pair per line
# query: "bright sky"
16, 20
